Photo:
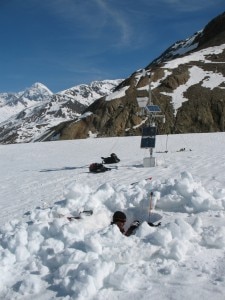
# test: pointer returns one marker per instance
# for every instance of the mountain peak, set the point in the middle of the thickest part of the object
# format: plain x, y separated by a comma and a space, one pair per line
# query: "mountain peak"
27, 116
36, 90
38, 85
213, 33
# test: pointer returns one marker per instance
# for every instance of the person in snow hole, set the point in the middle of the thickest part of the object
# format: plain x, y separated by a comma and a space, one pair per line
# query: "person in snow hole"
119, 218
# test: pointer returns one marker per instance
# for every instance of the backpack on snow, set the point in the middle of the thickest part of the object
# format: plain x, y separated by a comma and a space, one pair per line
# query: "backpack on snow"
112, 159
97, 168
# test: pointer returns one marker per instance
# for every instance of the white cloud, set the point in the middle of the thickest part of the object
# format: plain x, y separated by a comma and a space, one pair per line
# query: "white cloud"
118, 20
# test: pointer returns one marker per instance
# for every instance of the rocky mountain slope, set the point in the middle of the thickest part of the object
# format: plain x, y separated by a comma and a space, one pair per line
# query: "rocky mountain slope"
187, 82
26, 116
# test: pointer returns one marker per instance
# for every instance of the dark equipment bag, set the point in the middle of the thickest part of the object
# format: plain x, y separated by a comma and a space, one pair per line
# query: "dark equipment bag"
97, 168
112, 159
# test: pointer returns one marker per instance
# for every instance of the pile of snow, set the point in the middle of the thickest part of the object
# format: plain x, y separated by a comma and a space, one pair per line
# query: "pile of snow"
44, 255
88, 256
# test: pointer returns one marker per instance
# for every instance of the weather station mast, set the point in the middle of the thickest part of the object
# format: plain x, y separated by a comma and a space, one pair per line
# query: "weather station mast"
151, 112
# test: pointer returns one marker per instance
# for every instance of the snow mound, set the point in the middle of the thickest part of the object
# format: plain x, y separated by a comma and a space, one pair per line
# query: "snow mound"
77, 259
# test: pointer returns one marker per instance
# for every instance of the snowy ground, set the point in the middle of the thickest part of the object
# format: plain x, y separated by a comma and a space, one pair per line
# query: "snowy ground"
45, 256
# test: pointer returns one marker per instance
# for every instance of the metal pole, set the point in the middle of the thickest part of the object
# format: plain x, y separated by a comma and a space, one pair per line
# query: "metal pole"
149, 89
166, 142
151, 151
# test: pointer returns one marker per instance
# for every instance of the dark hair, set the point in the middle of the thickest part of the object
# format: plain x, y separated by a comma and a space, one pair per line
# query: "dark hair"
119, 216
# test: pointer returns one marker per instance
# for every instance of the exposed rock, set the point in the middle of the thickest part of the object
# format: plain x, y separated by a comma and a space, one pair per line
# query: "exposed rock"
213, 33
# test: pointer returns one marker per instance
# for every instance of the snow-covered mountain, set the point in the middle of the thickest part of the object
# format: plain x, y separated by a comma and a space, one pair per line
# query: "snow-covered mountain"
25, 116
13, 103
86, 94
179, 48
187, 82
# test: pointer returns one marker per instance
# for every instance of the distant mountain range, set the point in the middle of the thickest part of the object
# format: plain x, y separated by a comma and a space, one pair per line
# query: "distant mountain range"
187, 83
26, 116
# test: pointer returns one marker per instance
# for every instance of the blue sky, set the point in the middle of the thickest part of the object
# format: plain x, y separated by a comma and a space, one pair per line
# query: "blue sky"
63, 43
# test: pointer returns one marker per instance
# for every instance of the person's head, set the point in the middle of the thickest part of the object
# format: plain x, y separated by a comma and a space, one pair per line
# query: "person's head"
119, 218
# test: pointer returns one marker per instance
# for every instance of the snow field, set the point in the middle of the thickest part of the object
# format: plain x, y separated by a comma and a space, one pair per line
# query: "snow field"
44, 256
